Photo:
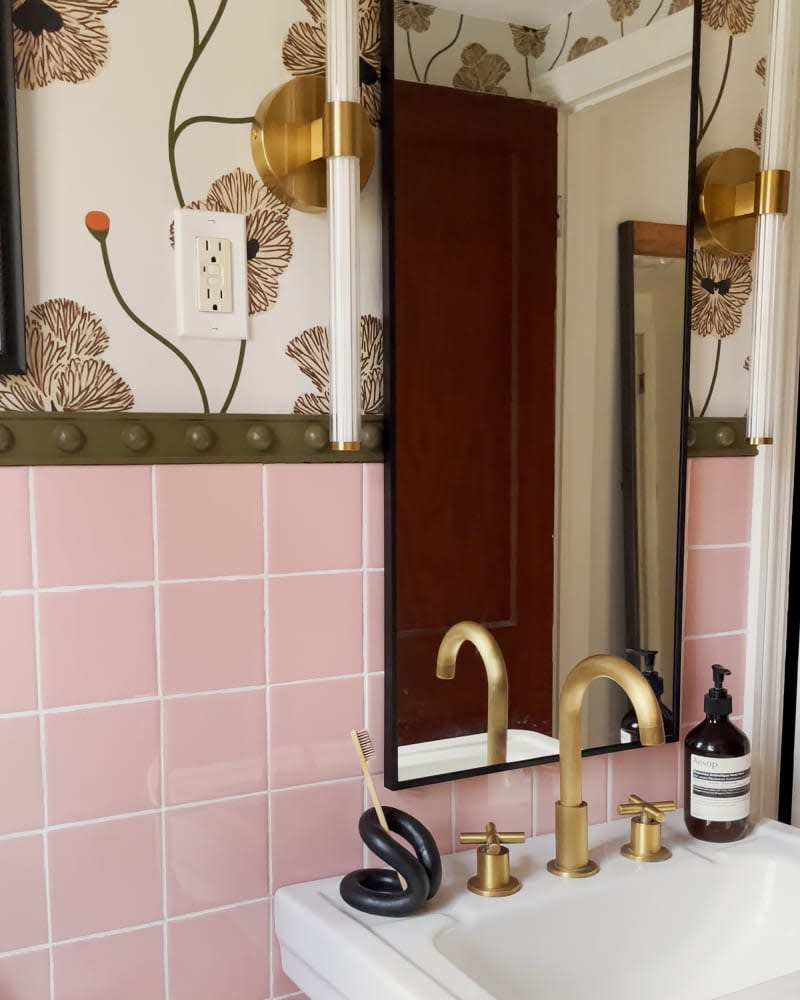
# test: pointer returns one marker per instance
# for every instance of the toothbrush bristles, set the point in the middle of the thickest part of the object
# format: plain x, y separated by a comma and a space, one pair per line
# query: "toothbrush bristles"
365, 742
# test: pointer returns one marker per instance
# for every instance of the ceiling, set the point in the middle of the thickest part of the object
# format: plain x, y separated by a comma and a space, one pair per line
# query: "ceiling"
530, 12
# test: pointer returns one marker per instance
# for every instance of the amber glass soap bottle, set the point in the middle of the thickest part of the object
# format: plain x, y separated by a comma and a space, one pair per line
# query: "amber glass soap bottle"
717, 774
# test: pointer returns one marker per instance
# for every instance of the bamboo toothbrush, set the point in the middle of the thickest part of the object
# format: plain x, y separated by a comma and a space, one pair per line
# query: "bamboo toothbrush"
365, 751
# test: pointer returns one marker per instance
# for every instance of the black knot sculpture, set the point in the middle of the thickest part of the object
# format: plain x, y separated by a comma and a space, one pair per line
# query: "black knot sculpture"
379, 890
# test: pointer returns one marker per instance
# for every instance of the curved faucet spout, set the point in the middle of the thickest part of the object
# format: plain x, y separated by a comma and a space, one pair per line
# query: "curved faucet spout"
496, 679
572, 825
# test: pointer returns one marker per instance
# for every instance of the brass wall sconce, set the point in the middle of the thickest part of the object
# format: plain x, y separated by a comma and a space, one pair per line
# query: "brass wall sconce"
313, 147
733, 192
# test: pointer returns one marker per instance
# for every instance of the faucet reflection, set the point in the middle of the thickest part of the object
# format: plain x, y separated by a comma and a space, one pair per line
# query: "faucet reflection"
572, 813
496, 677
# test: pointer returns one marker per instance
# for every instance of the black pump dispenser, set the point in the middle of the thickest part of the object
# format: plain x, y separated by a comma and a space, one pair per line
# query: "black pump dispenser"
718, 703
629, 727
717, 770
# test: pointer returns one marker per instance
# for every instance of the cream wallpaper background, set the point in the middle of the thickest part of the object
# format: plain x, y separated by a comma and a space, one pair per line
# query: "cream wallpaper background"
127, 110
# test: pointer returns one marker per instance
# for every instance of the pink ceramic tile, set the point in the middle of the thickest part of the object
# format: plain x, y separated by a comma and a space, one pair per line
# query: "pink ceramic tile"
216, 854
282, 985
721, 498
212, 635
123, 966
315, 832
215, 746
374, 720
716, 590
221, 955
105, 876
546, 792
650, 772
696, 678
23, 920
309, 731
103, 761
25, 976
97, 645
20, 775
375, 622
93, 525
505, 799
210, 521
313, 517
315, 626
15, 532
18, 690
430, 804
373, 515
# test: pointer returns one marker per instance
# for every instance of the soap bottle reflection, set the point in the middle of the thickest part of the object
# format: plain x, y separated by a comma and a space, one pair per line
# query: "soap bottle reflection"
629, 727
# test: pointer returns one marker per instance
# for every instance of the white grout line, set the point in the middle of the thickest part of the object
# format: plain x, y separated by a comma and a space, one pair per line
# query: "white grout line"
183, 917
716, 635
365, 710
721, 545
318, 680
37, 640
267, 716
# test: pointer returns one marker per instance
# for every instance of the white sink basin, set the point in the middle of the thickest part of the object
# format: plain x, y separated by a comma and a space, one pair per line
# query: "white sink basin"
712, 922
462, 753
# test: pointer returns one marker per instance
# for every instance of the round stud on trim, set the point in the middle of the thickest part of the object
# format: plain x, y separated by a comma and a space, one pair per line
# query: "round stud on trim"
69, 438
6, 439
259, 437
199, 437
136, 437
725, 435
371, 436
316, 437
691, 437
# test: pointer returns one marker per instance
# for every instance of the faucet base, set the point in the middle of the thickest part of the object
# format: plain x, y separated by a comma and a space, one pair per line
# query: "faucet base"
585, 871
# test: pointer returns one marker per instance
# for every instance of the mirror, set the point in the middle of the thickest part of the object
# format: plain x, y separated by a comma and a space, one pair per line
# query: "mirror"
512, 155
12, 313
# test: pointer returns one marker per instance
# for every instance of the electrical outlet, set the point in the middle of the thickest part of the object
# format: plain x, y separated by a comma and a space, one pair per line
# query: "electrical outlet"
211, 274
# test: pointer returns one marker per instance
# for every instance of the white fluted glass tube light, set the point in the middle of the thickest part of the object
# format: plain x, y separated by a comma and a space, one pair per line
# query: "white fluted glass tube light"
769, 313
344, 189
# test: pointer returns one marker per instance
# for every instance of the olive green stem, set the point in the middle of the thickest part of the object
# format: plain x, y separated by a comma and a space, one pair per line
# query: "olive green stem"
713, 379
198, 47
564, 43
236, 376
691, 406
214, 119
528, 74
654, 15
447, 47
722, 86
411, 56
148, 329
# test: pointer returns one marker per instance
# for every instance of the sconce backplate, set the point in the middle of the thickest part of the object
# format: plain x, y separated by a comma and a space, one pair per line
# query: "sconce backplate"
295, 130
726, 188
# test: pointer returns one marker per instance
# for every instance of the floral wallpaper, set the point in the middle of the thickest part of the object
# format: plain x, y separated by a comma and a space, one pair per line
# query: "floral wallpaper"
128, 109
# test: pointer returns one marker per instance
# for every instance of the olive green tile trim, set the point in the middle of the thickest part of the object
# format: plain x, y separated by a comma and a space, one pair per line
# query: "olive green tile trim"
719, 437
175, 438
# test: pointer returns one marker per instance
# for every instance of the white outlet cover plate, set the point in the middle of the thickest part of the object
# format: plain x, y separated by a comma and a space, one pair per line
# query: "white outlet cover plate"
191, 225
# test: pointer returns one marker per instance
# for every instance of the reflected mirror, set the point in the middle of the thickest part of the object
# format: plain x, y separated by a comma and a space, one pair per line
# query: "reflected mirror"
512, 156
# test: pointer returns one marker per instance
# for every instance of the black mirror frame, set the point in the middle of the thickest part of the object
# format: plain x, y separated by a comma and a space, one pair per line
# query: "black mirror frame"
12, 309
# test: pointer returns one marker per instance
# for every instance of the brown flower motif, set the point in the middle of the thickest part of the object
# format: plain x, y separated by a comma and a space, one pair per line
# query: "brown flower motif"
65, 371
677, 5
529, 41
758, 129
311, 351
59, 40
304, 50
269, 241
481, 71
721, 287
620, 9
736, 16
584, 45
412, 16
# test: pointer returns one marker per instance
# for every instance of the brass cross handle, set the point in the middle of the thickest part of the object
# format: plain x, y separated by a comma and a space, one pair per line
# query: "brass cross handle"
646, 820
649, 812
491, 839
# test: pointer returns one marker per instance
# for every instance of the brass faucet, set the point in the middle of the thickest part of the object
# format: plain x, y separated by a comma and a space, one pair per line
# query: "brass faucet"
496, 678
572, 813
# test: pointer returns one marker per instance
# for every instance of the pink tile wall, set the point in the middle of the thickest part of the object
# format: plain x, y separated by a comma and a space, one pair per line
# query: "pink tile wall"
184, 650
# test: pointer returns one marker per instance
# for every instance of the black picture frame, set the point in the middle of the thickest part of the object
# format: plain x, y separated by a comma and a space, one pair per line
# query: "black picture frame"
12, 308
